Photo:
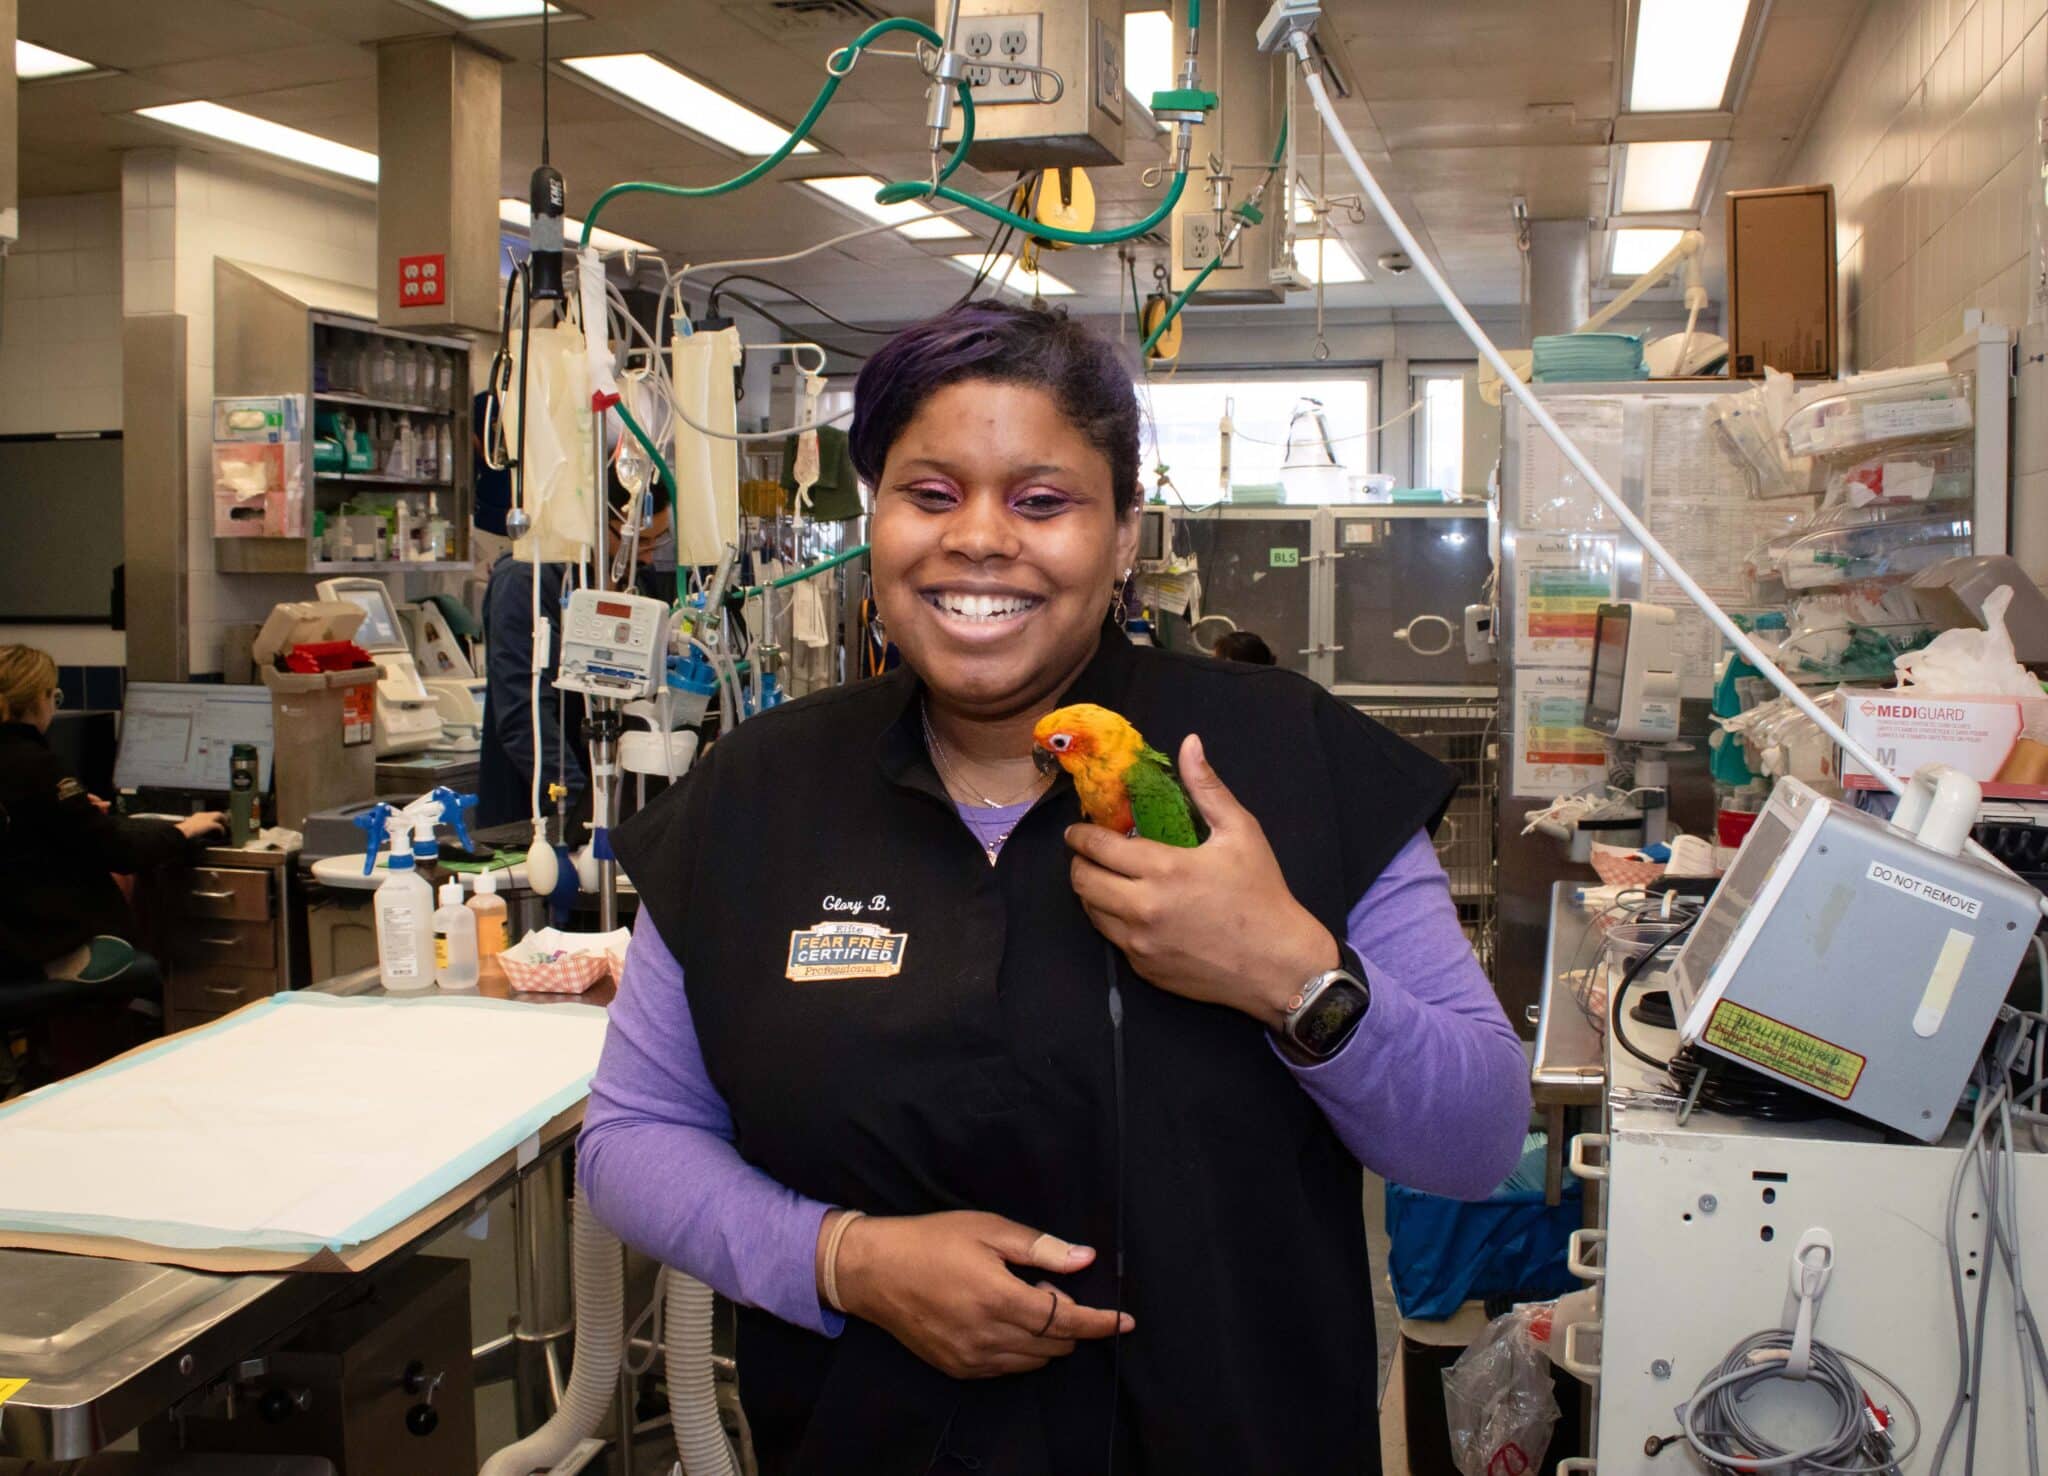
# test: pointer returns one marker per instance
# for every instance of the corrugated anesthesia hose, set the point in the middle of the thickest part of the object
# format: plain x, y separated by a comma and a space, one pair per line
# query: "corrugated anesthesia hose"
692, 1385
1652, 549
600, 1276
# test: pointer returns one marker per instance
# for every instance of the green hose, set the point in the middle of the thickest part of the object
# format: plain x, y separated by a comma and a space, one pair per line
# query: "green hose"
1038, 230
809, 571
804, 125
1173, 310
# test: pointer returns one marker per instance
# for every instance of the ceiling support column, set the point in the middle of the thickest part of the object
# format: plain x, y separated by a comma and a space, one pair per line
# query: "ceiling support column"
1560, 276
439, 102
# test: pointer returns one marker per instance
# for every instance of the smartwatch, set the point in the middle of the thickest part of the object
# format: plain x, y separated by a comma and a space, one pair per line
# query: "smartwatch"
1328, 1010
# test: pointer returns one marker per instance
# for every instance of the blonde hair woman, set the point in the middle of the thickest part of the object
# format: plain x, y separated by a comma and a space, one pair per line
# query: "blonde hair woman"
60, 846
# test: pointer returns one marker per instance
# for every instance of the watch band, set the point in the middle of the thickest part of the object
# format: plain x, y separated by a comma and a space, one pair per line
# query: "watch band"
1331, 1006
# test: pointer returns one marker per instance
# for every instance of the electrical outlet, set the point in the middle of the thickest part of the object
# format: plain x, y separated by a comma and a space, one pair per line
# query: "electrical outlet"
1109, 71
988, 41
1198, 243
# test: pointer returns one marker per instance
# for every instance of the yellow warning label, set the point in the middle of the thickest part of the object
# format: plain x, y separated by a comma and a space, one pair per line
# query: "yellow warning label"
1776, 1046
11, 1387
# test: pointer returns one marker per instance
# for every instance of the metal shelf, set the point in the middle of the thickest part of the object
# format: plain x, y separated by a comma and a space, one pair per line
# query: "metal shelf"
379, 479
349, 397
389, 566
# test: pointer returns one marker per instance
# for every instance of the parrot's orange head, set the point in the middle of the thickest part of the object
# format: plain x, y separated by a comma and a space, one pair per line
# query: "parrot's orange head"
1083, 734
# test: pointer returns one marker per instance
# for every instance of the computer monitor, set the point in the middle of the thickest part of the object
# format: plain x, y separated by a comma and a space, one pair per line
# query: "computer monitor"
181, 735
380, 629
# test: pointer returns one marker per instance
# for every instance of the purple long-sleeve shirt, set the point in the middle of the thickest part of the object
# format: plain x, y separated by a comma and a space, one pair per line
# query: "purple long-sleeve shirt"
1432, 1091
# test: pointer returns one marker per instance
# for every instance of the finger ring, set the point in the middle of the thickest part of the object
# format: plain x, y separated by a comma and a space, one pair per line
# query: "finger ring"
1050, 1313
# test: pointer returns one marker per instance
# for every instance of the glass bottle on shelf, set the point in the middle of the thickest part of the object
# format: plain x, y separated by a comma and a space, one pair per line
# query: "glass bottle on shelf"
446, 467
444, 380
428, 449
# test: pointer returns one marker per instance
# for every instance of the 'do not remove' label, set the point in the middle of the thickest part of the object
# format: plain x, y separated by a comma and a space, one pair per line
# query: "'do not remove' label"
1925, 890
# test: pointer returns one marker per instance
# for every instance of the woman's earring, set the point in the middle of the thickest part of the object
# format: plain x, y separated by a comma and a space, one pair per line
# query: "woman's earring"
1116, 596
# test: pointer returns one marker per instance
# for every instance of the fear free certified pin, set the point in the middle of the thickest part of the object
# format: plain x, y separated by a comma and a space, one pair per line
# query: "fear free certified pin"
845, 950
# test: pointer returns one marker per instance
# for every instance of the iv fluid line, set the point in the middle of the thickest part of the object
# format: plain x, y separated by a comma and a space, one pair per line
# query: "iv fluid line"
1652, 549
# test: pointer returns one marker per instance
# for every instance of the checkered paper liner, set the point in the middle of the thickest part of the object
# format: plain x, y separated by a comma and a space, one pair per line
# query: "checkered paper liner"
547, 961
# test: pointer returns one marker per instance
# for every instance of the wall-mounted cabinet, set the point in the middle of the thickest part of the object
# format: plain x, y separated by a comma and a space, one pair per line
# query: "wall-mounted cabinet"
384, 456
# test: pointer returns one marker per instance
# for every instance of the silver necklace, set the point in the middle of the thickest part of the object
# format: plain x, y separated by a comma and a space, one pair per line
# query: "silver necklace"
953, 778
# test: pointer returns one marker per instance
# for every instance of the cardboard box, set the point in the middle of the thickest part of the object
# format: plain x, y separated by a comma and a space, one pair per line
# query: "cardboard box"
325, 722
1979, 736
1781, 282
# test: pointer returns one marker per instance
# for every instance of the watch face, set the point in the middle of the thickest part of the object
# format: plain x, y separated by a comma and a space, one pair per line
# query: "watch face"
1323, 1025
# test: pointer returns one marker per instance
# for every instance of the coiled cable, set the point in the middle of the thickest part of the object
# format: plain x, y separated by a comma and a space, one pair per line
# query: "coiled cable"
1721, 1432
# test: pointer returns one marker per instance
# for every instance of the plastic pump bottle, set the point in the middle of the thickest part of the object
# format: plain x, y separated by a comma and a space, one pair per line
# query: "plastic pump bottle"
455, 939
404, 906
489, 908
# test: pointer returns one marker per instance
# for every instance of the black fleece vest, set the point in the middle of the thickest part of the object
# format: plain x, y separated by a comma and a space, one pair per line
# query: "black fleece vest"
952, 1049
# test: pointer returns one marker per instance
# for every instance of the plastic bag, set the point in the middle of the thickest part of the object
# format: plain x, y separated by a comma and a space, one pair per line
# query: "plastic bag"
1970, 663
1498, 1399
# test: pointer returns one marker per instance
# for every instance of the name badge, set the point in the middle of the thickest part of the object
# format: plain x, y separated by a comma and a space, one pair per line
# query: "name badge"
845, 950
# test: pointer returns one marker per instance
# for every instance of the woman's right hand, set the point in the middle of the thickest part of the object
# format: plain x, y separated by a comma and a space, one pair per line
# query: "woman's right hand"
941, 1285
206, 822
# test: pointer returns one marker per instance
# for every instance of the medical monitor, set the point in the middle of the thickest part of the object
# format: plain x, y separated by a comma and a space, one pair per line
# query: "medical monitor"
181, 735
380, 629
1633, 693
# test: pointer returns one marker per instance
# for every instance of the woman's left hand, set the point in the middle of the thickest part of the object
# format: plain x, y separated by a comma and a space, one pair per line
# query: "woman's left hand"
1215, 923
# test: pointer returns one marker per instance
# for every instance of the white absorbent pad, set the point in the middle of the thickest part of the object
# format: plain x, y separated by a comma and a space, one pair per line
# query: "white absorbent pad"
306, 1122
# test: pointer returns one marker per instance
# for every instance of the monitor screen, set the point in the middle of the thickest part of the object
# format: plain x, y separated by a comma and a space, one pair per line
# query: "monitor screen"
1610, 661
379, 630
181, 735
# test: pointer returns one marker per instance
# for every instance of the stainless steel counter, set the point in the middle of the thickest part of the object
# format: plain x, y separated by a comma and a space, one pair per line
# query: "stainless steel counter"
107, 1344
1567, 1068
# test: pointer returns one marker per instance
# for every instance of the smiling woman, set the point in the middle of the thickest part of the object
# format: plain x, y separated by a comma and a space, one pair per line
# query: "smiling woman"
1046, 1156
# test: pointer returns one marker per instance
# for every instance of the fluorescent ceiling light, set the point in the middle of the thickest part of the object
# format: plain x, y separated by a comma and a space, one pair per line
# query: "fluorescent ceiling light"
519, 213
494, 10
1004, 269
1148, 54
252, 132
857, 193
1327, 260
1636, 251
32, 62
1684, 51
1658, 177
683, 100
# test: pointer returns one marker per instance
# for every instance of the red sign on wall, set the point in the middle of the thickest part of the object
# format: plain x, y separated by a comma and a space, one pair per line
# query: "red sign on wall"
422, 280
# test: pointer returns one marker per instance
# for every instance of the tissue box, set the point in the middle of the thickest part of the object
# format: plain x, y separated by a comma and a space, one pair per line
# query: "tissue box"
1978, 736
548, 961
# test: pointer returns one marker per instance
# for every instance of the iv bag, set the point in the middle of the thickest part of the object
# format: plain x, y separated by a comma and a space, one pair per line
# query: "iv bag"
555, 488
1311, 474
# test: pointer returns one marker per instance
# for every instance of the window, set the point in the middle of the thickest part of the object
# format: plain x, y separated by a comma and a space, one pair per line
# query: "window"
1437, 440
1148, 55
1185, 412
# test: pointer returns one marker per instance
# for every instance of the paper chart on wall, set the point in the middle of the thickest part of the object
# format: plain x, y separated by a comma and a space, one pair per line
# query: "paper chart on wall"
1561, 580
1555, 752
1553, 496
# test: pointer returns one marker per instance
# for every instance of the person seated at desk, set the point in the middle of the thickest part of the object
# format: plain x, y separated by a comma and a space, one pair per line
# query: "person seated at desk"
62, 916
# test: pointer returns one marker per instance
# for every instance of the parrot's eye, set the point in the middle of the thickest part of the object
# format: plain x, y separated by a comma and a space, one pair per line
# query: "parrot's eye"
1061, 742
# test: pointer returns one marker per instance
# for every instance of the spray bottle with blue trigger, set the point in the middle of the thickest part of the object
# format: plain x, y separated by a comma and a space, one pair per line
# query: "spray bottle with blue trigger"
375, 823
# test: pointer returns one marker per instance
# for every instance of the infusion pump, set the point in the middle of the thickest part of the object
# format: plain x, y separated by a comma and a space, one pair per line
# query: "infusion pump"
613, 645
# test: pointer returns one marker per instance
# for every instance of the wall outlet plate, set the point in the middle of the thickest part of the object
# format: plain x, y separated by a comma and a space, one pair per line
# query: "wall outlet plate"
1198, 243
989, 42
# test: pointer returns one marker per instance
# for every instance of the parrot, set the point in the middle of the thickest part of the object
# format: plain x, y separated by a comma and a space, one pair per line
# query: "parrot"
1124, 784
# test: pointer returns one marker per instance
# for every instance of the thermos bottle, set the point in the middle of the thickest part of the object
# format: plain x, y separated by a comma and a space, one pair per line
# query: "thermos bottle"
244, 805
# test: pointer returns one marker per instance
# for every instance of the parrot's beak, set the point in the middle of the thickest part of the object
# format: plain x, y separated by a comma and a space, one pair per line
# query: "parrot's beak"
1045, 760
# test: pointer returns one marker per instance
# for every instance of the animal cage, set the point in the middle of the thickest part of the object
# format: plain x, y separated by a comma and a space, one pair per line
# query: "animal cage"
1463, 734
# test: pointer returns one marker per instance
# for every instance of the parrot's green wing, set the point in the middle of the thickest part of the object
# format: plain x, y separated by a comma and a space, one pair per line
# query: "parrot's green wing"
1159, 805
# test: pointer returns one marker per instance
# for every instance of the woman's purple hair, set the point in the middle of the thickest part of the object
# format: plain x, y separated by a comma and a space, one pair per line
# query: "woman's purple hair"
1009, 345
